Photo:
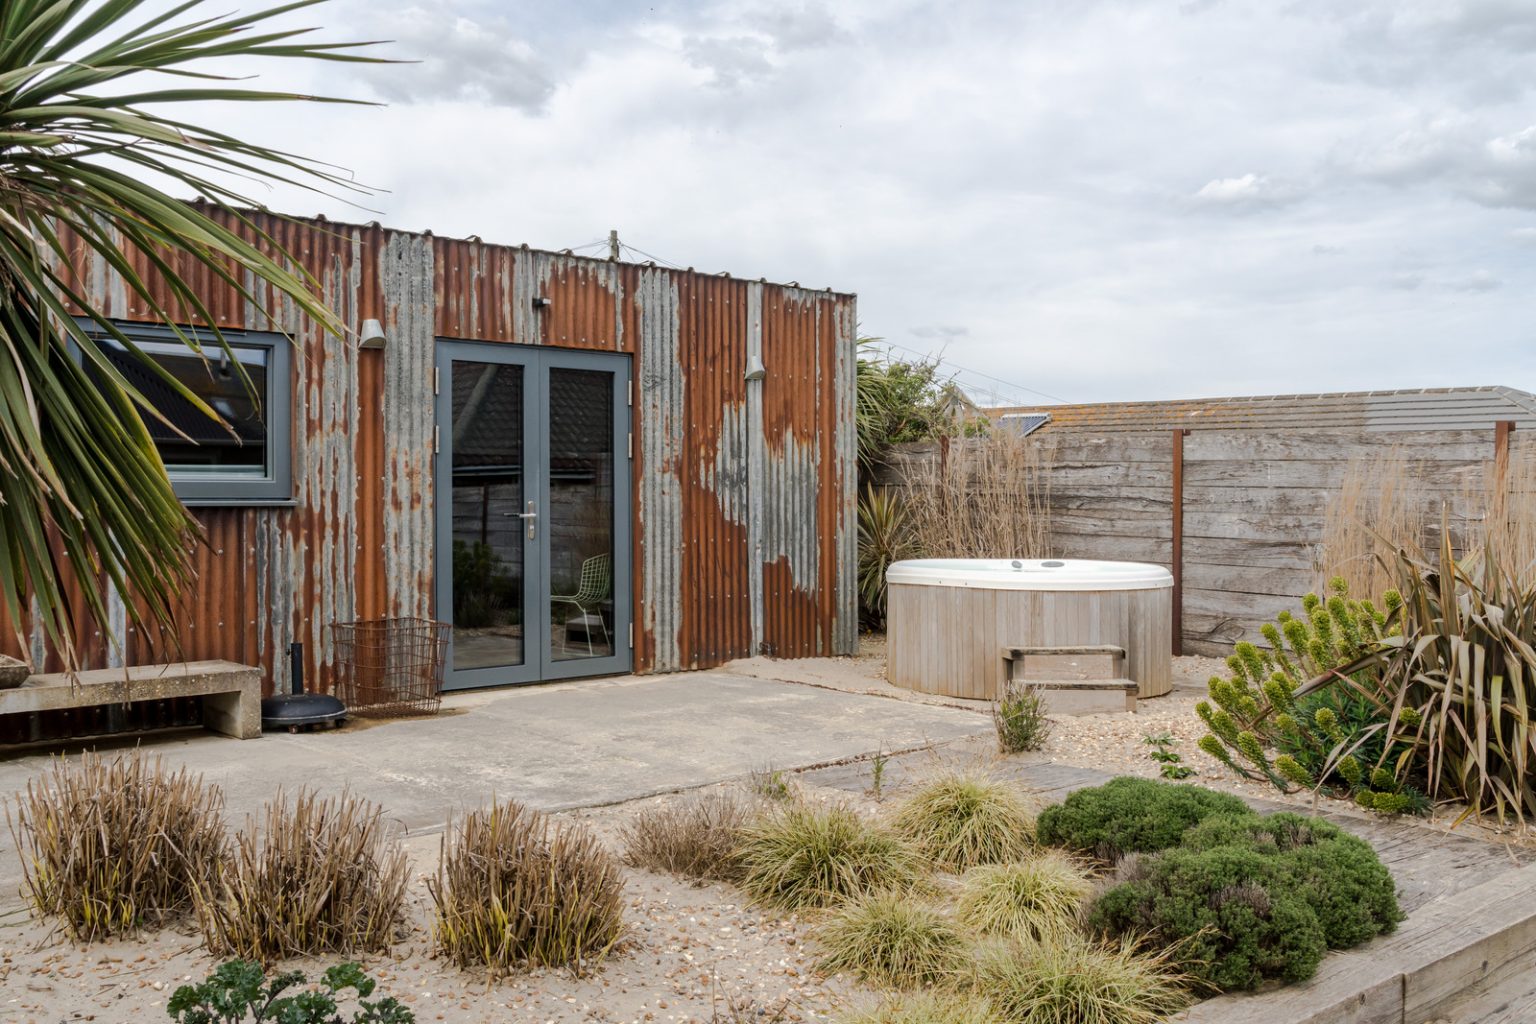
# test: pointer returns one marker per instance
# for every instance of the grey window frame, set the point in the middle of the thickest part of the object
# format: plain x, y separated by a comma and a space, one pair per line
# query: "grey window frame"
275, 487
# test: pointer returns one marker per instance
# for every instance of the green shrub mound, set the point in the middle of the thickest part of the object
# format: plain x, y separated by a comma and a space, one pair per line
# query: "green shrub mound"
891, 939
1339, 874
1077, 982
1231, 916
960, 820
797, 856
1130, 815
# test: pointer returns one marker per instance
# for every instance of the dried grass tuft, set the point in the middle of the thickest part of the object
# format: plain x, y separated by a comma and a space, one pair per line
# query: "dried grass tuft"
1077, 982
514, 888
1377, 509
108, 846
798, 857
983, 497
319, 876
1039, 899
697, 837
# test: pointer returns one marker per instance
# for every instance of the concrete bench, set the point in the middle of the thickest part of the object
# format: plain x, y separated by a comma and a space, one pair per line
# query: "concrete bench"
231, 693
1082, 693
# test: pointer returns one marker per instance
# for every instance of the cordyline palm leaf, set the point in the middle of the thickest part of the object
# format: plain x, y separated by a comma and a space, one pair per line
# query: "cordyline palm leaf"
92, 99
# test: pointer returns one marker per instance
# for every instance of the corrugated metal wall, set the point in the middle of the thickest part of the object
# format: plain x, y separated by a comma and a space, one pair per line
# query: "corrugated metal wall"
745, 541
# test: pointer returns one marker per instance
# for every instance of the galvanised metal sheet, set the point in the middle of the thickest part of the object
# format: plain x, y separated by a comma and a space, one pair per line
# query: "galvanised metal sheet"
744, 492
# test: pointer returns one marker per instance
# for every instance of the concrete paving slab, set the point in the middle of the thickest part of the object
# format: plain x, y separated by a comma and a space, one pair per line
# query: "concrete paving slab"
558, 747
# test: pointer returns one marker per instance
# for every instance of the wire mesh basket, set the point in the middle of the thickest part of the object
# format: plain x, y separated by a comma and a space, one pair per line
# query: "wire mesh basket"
389, 668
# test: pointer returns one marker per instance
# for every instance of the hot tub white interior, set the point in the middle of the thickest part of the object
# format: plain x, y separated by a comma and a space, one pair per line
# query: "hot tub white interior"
949, 619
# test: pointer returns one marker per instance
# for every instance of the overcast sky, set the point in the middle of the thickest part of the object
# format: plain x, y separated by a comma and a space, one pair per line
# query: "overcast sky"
1092, 199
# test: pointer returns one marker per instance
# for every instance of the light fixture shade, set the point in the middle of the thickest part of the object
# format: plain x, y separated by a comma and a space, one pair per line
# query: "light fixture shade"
755, 368
371, 335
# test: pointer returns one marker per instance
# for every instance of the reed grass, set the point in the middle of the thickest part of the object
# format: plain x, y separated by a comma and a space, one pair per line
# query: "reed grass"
319, 875
515, 888
109, 845
982, 497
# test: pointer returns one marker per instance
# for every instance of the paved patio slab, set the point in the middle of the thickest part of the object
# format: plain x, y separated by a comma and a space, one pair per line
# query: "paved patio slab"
556, 747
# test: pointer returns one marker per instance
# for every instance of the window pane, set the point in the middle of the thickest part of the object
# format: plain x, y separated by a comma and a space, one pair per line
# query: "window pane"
207, 447
580, 514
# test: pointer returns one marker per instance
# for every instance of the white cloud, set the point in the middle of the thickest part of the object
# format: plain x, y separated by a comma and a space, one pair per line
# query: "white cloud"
1101, 200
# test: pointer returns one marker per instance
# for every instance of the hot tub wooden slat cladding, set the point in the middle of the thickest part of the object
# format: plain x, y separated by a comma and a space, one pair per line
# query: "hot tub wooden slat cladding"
743, 494
948, 639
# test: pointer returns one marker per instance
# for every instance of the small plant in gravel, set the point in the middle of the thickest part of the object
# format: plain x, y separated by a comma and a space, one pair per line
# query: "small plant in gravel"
695, 838
1170, 763
1078, 982
320, 876
889, 938
106, 846
1131, 815
1019, 714
877, 766
960, 820
515, 888
770, 783
1039, 899
1229, 916
1339, 874
238, 993
797, 857
931, 1007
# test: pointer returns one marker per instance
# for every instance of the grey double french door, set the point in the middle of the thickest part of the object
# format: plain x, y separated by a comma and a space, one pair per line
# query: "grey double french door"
533, 524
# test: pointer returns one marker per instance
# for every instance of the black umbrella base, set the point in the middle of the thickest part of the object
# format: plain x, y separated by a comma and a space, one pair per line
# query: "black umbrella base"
295, 711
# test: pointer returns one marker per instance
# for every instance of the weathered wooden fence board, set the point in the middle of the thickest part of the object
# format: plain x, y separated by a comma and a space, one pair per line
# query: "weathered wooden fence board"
1254, 503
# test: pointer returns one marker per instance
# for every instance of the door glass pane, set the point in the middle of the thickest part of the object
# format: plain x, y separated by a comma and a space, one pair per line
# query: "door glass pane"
580, 514
487, 446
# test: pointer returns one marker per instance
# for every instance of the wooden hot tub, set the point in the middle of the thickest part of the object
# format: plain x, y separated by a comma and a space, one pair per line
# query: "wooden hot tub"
948, 619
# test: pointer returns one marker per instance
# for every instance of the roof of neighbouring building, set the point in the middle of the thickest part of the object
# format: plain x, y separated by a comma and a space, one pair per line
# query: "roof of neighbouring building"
1475, 408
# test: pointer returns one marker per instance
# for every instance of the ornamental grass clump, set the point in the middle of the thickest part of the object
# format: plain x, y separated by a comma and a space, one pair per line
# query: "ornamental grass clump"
1078, 982
1131, 815
797, 856
514, 888
1039, 899
930, 1007
697, 838
321, 875
889, 938
1229, 917
961, 820
108, 846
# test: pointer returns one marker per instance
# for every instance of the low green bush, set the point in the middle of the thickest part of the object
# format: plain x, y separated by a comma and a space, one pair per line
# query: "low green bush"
1130, 815
1020, 716
1077, 982
1343, 880
798, 856
238, 992
891, 939
1230, 916
961, 820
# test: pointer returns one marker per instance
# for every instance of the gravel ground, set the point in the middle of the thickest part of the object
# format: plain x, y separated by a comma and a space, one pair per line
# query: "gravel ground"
693, 952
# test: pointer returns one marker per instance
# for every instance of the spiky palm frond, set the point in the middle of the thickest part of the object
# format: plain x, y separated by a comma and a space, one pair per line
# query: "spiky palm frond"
93, 101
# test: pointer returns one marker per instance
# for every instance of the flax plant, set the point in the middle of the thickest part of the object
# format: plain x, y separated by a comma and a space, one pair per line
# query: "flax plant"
94, 102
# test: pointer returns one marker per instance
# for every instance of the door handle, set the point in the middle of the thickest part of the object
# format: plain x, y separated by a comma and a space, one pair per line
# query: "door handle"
529, 518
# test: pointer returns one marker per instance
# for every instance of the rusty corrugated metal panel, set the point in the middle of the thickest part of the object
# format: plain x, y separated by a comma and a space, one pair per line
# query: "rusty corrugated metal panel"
743, 493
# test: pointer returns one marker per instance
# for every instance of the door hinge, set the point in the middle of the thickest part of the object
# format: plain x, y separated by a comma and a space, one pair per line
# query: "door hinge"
435, 390
629, 393
631, 444
631, 636
434, 440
